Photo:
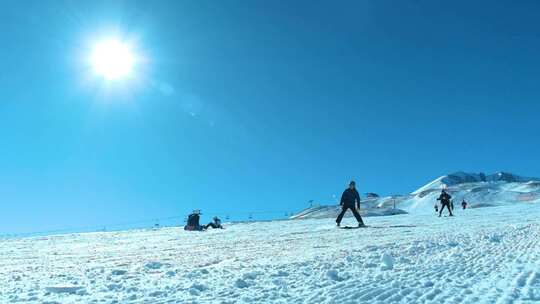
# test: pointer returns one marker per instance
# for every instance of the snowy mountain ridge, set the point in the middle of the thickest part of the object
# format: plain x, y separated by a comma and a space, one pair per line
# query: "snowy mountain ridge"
478, 189
460, 177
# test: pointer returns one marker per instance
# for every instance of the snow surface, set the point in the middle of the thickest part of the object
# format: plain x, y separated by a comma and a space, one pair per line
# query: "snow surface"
482, 255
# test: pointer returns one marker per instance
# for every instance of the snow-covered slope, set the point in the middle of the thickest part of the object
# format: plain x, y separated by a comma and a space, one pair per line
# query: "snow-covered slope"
478, 189
483, 255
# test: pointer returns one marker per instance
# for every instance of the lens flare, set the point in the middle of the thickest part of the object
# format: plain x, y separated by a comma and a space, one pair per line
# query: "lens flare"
112, 59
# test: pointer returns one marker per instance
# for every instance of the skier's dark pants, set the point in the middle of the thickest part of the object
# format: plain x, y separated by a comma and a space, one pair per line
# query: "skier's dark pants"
354, 211
447, 206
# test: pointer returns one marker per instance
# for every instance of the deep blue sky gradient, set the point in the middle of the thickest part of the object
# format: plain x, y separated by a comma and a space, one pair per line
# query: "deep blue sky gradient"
257, 105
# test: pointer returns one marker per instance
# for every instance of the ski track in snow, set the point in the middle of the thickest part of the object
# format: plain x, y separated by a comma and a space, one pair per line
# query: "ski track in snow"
485, 255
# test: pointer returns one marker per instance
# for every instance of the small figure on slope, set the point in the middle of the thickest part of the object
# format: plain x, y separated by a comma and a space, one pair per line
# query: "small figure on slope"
350, 199
193, 222
436, 206
464, 204
445, 202
216, 224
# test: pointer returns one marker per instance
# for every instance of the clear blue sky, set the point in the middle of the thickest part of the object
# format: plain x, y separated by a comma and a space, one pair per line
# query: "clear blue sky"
257, 105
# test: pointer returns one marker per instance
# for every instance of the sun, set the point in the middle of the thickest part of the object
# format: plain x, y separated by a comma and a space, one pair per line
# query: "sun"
112, 59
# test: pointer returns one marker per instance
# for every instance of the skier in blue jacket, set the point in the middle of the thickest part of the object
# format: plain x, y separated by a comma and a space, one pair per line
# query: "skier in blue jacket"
350, 199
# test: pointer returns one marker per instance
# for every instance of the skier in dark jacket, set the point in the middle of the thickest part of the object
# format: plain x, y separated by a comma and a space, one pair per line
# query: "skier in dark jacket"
464, 204
193, 222
216, 223
445, 201
350, 199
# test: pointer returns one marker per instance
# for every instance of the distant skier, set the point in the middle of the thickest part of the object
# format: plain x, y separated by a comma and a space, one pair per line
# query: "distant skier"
193, 222
464, 204
350, 199
436, 206
445, 201
216, 224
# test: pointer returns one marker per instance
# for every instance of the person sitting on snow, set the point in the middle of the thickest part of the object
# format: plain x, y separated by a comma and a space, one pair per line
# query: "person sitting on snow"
216, 224
445, 201
193, 221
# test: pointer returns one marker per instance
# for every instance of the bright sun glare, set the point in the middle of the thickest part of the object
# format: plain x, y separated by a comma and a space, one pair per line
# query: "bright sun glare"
112, 59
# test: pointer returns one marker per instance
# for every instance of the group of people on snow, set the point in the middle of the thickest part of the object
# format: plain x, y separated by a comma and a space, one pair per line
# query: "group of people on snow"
194, 225
350, 200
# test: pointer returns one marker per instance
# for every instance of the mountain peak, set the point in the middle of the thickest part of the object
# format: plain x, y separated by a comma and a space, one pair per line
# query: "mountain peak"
461, 177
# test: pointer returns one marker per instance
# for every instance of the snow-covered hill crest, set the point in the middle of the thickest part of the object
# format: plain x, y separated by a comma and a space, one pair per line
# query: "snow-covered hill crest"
478, 189
459, 178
